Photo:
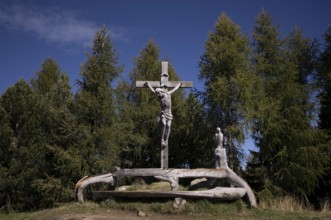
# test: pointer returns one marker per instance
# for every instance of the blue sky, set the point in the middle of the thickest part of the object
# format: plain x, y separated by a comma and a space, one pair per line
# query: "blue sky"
31, 30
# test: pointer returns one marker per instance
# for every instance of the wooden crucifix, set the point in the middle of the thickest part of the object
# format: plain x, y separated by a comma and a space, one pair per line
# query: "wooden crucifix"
165, 100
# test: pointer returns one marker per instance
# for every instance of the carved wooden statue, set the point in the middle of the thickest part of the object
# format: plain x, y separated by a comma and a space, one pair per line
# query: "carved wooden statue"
166, 115
220, 152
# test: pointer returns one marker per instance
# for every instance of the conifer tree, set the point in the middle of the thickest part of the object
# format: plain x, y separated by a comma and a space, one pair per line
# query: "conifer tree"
224, 68
63, 166
95, 105
125, 124
146, 107
266, 63
23, 152
7, 144
324, 72
39, 152
325, 75
197, 144
287, 143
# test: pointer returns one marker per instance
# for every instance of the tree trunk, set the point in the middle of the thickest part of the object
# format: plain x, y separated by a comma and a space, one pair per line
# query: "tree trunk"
222, 193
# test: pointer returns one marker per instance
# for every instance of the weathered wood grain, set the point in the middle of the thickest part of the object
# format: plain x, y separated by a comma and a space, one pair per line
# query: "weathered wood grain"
172, 176
223, 193
170, 84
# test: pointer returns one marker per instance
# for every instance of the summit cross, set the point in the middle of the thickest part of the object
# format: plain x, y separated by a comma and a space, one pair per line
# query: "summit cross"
161, 90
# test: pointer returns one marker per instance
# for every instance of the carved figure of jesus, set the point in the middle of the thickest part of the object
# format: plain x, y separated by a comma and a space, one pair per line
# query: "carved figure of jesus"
166, 115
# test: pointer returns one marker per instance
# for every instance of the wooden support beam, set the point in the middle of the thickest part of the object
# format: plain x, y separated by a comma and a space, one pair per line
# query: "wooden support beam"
180, 173
171, 84
172, 176
223, 193
85, 181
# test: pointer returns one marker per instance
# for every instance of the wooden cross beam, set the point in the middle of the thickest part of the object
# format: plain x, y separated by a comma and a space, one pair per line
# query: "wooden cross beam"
164, 84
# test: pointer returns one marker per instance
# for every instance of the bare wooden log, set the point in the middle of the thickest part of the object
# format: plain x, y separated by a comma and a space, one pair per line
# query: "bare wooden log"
180, 173
141, 172
85, 181
172, 180
172, 176
223, 193
186, 84
236, 180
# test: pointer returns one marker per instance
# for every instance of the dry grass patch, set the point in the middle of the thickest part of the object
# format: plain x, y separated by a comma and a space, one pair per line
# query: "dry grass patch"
285, 203
156, 186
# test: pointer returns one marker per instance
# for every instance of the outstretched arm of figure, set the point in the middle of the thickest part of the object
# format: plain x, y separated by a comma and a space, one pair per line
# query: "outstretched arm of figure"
149, 86
177, 87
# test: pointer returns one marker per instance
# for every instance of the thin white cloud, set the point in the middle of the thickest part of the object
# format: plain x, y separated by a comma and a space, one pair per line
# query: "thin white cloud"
54, 25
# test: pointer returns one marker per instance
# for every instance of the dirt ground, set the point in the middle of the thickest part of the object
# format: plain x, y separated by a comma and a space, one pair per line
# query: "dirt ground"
112, 214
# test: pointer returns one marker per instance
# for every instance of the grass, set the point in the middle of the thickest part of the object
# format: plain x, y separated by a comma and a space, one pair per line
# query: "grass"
63, 209
156, 186
194, 209
285, 203
206, 209
276, 208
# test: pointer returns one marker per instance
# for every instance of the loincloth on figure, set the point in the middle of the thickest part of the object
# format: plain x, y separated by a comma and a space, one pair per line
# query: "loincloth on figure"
166, 115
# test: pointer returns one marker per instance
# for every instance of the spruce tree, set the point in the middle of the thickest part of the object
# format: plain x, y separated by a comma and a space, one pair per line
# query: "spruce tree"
287, 142
266, 63
224, 68
23, 157
325, 75
64, 166
197, 145
40, 154
95, 105
7, 143
125, 124
324, 72
146, 107
306, 160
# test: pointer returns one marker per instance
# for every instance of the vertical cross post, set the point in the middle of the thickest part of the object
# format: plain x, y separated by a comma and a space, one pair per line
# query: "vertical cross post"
164, 148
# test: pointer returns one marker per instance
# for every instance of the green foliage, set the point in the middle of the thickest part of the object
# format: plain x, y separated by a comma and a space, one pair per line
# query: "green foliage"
325, 76
40, 159
63, 167
228, 84
95, 106
47, 77
289, 146
23, 152
324, 73
145, 108
195, 148
7, 146
52, 191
